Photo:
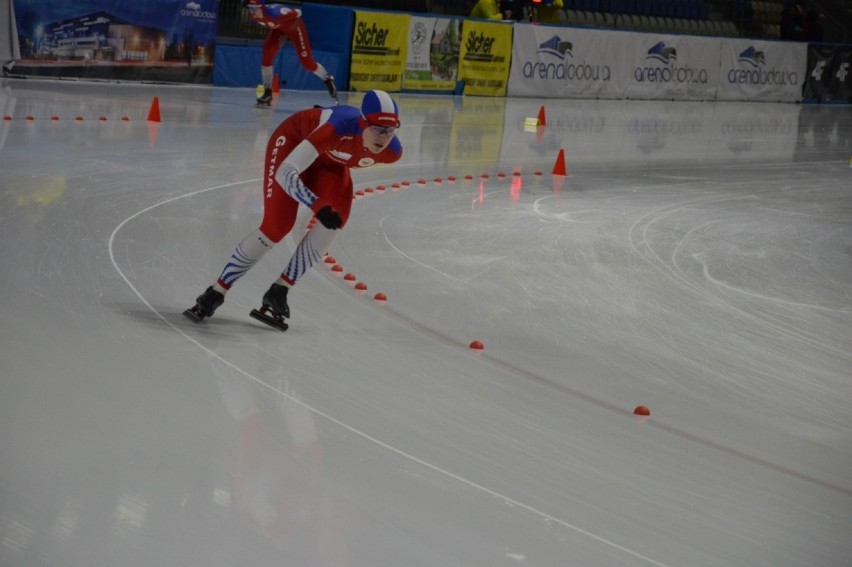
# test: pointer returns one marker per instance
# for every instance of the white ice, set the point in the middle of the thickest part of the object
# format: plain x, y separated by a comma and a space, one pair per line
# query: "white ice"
697, 260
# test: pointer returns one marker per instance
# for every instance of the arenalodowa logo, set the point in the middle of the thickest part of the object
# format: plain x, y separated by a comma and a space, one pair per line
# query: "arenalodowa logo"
753, 70
563, 70
557, 47
663, 53
662, 68
193, 10
753, 57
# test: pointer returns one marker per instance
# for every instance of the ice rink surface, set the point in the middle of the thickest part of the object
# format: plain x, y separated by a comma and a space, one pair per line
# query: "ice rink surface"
697, 260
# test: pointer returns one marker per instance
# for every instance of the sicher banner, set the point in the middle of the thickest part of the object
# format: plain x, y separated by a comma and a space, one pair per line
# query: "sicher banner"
378, 51
484, 57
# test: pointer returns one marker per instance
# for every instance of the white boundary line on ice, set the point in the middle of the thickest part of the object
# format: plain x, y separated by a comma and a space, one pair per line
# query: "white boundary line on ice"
370, 438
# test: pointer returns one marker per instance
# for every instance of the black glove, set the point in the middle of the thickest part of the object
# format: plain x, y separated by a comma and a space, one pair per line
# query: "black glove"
329, 218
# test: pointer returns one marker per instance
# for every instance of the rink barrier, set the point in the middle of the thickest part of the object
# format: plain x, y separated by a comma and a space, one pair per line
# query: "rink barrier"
403, 52
548, 61
830, 76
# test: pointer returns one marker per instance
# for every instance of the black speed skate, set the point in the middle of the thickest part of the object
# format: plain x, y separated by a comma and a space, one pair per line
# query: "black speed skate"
205, 305
266, 98
274, 310
332, 88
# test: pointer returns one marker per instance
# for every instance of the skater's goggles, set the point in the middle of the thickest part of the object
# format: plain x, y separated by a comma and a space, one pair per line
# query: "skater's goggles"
384, 130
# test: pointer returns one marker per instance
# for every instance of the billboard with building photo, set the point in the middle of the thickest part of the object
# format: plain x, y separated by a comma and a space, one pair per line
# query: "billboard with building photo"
156, 40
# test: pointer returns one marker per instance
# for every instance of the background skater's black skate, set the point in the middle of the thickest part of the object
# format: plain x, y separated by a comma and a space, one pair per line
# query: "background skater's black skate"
266, 98
274, 310
332, 88
205, 305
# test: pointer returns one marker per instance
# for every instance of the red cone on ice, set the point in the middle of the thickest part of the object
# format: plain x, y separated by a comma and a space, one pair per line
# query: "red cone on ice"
154, 113
542, 120
559, 166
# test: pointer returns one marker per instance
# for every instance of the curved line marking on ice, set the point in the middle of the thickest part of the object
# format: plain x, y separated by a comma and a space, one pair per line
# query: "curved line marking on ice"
350, 428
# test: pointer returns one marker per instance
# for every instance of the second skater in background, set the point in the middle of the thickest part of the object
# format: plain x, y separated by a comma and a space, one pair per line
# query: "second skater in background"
284, 23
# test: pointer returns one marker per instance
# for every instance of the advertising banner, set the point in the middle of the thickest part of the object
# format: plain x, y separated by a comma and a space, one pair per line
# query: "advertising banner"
8, 34
761, 70
433, 54
155, 40
379, 47
829, 76
484, 57
562, 62
669, 67
842, 74
819, 73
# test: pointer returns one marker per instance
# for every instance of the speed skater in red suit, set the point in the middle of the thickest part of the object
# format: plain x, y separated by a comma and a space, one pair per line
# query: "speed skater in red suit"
284, 23
308, 158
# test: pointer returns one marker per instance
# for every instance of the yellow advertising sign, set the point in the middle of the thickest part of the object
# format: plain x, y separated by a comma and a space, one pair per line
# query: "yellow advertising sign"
378, 51
485, 57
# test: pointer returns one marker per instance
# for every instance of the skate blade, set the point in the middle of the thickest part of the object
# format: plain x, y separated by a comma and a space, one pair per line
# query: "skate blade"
267, 320
193, 316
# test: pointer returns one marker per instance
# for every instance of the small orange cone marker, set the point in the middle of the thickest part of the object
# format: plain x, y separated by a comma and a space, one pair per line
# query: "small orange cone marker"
154, 113
559, 166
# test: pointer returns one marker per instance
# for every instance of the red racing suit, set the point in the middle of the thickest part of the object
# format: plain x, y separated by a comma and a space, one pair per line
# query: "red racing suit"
283, 23
321, 144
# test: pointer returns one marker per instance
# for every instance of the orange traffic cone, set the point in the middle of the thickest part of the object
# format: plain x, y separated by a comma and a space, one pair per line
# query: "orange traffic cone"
154, 113
276, 83
542, 121
559, 166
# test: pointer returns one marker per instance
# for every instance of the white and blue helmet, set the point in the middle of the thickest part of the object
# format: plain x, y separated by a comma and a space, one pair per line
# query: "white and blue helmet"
379, 109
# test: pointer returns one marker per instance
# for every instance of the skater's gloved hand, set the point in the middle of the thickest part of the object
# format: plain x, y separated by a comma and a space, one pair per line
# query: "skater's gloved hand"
329, 218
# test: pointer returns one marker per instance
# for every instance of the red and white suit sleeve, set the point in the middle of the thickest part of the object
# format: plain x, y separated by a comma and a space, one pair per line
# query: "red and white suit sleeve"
302, 156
